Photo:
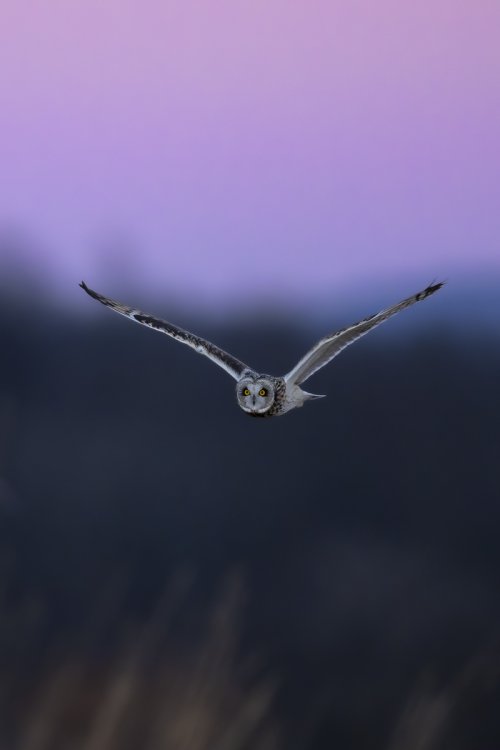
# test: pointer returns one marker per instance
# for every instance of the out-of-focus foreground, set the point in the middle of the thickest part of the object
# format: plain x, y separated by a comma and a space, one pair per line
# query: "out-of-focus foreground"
176, 575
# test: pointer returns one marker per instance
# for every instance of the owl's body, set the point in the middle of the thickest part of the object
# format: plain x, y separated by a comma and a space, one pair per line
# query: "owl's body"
266, 395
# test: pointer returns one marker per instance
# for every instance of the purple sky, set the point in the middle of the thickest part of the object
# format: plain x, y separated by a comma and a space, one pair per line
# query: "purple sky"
231, 149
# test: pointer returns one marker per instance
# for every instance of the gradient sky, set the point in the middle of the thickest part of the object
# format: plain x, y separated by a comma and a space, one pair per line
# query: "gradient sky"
227, 148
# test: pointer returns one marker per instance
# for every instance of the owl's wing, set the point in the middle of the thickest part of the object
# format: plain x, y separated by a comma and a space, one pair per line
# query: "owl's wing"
329, 346
228, 363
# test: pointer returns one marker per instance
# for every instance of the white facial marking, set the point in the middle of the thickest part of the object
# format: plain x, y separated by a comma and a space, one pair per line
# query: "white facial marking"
255, 396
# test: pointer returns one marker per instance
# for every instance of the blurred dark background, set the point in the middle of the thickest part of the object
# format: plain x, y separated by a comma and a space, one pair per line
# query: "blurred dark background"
326, 579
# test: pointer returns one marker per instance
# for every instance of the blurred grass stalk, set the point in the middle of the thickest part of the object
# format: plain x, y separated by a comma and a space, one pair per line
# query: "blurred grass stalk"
150, 696
149, 692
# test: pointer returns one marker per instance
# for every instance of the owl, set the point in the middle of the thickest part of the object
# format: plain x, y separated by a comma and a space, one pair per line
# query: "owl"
267, 395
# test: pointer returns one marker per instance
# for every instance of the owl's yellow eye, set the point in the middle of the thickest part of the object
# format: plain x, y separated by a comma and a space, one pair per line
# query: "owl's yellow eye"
263, 392
246, 392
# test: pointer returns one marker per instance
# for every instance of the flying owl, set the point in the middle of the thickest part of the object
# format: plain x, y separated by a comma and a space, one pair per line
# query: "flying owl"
266, 395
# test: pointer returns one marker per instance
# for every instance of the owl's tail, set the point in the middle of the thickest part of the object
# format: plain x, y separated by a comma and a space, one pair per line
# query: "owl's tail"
309, 396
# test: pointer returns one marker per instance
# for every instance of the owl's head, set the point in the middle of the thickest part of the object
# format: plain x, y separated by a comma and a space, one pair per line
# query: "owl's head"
255, 394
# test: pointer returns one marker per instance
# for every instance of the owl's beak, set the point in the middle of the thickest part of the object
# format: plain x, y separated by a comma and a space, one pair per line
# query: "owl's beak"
253, 400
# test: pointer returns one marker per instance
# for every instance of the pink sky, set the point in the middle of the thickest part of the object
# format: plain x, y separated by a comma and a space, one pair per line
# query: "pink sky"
235, 148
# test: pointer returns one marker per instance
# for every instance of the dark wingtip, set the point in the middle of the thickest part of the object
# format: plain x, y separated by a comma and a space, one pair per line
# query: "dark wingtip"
434, 287
89, 291
430, 290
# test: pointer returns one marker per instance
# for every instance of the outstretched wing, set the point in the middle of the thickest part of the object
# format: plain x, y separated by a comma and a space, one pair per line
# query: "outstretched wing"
228, 363
328, 348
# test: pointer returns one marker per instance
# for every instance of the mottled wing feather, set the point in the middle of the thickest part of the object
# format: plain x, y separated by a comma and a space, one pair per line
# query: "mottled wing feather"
329, 346
228, 363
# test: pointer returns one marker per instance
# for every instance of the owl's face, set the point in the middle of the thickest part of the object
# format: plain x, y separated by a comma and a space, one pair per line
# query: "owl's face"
255, 396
